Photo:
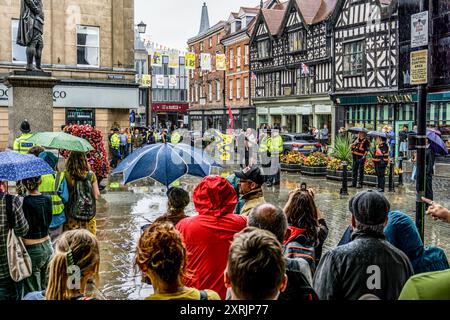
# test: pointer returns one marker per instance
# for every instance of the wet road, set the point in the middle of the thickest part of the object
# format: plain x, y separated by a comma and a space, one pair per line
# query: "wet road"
122, 213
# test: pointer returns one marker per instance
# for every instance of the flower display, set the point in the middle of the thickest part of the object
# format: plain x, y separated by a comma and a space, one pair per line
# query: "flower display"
293, 157
316, 159
336, 164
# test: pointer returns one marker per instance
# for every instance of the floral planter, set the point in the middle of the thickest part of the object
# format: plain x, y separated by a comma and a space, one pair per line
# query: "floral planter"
372, 181
314, 171
290, 167
337, 175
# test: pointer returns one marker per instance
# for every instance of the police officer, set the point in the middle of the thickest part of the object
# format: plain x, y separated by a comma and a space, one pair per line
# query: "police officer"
21, 144
381, 160
275, 147
360, 148
115, 148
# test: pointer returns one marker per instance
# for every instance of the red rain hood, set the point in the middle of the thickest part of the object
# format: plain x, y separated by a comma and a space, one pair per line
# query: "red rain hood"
294, 233
214, 196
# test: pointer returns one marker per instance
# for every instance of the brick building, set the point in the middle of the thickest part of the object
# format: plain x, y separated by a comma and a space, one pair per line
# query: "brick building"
89, 46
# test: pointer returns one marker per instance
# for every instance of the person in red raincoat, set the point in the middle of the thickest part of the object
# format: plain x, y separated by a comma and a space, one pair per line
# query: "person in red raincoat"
208, 235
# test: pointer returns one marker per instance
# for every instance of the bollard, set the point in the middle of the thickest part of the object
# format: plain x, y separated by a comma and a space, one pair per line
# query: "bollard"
344, 189
400, 174
391, 176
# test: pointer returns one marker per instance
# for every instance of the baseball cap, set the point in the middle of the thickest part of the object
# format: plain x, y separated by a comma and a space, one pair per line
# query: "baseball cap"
369, 207
251, 173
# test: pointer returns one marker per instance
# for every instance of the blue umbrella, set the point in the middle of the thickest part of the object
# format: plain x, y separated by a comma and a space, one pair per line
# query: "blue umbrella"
436, 142
125, 163
166, 163
15, 166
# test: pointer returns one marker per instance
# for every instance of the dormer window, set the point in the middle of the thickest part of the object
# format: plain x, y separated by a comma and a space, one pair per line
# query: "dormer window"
296, 41
263, 49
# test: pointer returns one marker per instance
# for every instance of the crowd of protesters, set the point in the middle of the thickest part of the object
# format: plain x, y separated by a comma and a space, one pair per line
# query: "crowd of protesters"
236, 247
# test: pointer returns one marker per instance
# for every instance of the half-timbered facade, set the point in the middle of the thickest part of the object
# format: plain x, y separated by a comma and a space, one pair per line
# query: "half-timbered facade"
294, 80
366, 66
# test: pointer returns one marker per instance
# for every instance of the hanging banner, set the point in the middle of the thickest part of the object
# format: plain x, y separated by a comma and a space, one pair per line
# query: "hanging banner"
173, 59
223, 145
190, 60
419, 67
146, 80
157, 59
205, 63
173, 81
220, 62
160, 80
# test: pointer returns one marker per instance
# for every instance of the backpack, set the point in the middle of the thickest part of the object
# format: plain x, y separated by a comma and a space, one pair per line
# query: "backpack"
82, 203
301, 248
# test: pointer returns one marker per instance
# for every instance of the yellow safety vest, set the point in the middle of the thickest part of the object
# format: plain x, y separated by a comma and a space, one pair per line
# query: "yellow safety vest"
176, 137
115, 141
263, 147
275, 145
22, 145
50, 186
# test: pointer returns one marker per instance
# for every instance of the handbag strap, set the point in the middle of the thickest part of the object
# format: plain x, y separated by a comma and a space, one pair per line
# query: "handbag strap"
9, 210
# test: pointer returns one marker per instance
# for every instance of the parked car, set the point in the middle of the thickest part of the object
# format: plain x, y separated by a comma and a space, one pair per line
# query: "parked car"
302, 142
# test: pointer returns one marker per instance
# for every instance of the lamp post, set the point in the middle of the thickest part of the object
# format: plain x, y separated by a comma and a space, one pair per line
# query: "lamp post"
142, 28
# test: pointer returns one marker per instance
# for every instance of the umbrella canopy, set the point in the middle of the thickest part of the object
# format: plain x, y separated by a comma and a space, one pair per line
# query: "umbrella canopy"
358, 129
61, 140
15, 166
165, 163
436, 142
377, 134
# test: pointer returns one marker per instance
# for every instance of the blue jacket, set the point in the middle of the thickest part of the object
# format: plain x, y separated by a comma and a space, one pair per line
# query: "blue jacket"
402, 233
234, 181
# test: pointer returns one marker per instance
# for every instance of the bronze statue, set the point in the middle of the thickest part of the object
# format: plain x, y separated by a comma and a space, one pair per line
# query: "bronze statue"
31, 28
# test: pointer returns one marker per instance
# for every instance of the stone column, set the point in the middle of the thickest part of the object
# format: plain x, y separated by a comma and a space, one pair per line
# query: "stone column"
299, 123
31, 98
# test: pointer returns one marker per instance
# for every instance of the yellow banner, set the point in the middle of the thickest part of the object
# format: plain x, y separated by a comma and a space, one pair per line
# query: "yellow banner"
190, 61
220, 62
224, 145
173, 59
146, 80
157, 59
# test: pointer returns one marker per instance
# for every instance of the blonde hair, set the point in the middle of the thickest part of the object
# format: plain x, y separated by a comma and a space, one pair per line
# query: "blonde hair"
78, 248
77, 165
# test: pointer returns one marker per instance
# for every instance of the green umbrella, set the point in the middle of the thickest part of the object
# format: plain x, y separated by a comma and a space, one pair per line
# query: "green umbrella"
60, 140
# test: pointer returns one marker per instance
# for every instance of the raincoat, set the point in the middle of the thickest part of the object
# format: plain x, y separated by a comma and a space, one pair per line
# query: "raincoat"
428, 286
367, 264
402, 233
208, 235
251, 200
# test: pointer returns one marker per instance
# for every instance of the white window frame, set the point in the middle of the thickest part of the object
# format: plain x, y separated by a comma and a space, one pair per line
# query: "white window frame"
231, 58
218, 91
238, 57
98, 47
238, 89
246, 54
246, 87
196, 92
231, 82
210, 42
13, 43
210, 91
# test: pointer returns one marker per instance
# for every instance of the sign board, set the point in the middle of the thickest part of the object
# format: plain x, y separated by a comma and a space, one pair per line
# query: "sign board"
4, 95
419, 67
322, 109
170, 107
419, 29
160, 80
190, 60
146, 80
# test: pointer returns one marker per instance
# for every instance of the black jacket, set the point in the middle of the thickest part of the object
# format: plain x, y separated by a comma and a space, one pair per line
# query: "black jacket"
298, 287
430, 159
368, 264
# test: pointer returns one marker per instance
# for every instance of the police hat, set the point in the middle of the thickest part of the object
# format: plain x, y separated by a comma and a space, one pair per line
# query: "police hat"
25, 127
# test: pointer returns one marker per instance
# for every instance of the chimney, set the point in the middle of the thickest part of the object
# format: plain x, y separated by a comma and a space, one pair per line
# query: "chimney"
204, 22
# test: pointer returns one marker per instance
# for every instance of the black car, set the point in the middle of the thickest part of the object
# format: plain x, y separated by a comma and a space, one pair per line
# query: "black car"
301, 142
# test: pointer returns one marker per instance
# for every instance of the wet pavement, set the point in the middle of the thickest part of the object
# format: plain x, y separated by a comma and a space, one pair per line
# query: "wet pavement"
123, 212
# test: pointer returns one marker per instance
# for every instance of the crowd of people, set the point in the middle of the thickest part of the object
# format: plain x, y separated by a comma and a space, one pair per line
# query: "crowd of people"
259, 252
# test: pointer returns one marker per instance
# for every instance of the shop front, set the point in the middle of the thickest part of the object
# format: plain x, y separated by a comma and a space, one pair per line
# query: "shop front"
169, 114
292, 119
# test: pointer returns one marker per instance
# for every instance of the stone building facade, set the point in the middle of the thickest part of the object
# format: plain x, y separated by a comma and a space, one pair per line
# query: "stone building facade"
89, 47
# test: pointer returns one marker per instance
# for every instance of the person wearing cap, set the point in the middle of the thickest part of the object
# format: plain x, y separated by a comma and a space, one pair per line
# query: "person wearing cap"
250, 182
368, 264
55, 186
115, 148
21, 144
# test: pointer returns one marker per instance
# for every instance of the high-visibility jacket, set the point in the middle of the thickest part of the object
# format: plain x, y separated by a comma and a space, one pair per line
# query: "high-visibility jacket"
275, 145
381, 153
360, 147
115, 141
176, 137
155, 135
264, 145
50, 186
22, 145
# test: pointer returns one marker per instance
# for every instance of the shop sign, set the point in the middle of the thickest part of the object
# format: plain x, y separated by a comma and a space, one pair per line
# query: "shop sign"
261, 110
170, 107
195, 118
305, 110
288, 110
322, 109
395, 98
419, 67
419, 29
3, 95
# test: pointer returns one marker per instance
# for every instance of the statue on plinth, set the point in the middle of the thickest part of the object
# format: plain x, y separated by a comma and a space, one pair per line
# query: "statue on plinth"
31, 28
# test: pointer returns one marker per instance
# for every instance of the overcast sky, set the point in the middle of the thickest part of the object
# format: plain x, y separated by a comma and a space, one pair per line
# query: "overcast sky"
172, 22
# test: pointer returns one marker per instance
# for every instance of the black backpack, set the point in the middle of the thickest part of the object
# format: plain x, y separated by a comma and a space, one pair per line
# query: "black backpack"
82, 203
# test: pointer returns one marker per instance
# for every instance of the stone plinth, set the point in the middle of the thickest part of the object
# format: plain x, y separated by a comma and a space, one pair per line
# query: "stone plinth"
31, 98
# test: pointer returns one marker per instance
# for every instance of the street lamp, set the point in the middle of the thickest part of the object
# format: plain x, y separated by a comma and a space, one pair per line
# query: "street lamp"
142, 27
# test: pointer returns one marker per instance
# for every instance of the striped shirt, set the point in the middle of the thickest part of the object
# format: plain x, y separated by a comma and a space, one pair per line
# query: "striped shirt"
20, 228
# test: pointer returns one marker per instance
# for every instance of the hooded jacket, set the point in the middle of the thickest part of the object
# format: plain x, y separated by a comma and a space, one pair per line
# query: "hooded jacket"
208, 235
402, 233
367, 264
251, 200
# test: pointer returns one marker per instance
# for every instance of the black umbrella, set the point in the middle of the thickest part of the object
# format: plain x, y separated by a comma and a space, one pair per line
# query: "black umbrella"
358, 130
378, 134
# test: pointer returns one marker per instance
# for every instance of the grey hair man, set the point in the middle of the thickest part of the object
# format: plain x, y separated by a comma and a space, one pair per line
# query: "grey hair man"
368, 264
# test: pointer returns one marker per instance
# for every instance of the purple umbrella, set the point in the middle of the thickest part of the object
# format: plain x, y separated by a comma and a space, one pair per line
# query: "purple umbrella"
436, 142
